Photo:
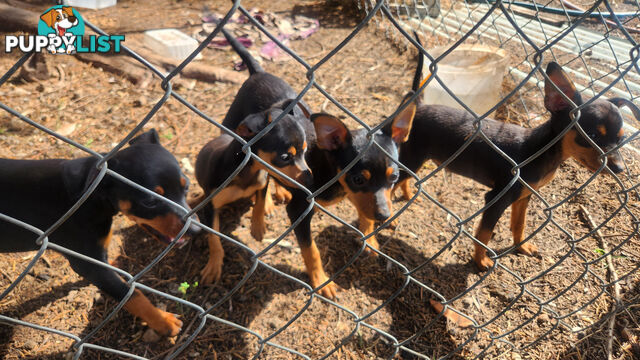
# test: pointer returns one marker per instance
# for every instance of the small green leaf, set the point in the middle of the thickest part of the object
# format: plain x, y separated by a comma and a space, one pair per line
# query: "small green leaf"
598, 251
183, 288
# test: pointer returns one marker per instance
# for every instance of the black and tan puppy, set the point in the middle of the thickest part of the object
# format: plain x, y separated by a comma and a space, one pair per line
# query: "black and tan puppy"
261, 99
39, 192
327, 146
439, 131
367, 185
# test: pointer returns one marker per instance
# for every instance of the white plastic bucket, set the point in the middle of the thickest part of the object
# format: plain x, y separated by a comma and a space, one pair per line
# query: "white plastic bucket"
474, 73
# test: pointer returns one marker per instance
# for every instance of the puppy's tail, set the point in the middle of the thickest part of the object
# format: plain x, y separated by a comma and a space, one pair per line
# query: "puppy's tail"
251, 63
416, 78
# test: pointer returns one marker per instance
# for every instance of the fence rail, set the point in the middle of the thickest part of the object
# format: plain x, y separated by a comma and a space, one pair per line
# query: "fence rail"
597, 48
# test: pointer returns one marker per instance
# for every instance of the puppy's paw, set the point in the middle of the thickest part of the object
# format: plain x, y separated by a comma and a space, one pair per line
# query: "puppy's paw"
212, 271
282, 195
528, 249
258, 229
269, 207
393, 224
373, 243
456, 318
168, 324
483, 262
330, 290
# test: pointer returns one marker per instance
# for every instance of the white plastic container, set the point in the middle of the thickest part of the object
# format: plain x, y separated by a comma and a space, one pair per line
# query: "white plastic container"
91, 4
474, 73
171, 43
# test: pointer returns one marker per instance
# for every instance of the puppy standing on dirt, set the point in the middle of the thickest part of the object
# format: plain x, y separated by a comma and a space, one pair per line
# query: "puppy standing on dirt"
327, 146
439, 131
260, 100
367, 184
39, 192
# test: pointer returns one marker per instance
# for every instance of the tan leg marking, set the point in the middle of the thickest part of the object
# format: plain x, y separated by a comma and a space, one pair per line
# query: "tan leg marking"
161, 321
407, 194
213, 270
366, 226
316, 273
480, 256
269, 207
283, 196
518, 222
106, 240
258, 227
457, 319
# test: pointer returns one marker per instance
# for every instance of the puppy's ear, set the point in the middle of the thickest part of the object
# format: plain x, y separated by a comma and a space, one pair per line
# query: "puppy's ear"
305, 109
553, 100
331, 133
253, 124
148, 137
400, 127
49, 17
284, 103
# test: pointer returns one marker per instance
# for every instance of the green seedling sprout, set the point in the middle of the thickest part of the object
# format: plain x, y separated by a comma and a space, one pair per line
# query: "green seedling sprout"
184, 288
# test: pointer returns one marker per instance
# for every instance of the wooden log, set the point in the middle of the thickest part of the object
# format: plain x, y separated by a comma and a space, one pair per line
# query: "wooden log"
195, 70
120, 65
16, 19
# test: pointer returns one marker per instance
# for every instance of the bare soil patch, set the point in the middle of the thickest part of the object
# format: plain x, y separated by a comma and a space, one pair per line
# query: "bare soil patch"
369, 76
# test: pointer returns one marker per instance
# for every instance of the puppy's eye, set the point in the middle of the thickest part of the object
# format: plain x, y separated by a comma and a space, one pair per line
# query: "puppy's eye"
358, 179
593, 136
393, 177
149, 202
286, 157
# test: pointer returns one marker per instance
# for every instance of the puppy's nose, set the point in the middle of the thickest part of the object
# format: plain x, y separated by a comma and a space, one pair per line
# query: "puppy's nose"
305, 178
615, 167
193, 228
382, 215
614, 163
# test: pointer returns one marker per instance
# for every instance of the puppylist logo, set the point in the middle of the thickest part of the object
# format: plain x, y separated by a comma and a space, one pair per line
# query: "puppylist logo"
61, 31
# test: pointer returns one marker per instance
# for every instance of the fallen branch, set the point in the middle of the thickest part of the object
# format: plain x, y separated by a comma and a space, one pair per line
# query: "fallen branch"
119, 65
17, 19
13, 18
613, 277
195, 70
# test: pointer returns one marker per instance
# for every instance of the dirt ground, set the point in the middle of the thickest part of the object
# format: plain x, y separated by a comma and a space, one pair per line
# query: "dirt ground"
369, 77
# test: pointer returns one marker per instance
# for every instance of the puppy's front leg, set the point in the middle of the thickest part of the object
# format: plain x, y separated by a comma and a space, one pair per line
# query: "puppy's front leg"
213, 270
366, 226
163, 322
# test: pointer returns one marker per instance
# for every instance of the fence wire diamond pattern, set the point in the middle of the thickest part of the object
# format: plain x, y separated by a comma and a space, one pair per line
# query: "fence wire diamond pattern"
596, 47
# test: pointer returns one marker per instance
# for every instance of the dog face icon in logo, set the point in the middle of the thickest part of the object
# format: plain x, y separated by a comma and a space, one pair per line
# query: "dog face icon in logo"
63, 23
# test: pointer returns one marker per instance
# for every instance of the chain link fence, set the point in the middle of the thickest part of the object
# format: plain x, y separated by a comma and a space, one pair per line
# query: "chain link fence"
597, 48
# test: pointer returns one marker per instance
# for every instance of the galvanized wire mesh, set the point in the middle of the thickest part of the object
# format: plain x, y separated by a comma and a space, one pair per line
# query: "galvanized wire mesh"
609, 57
